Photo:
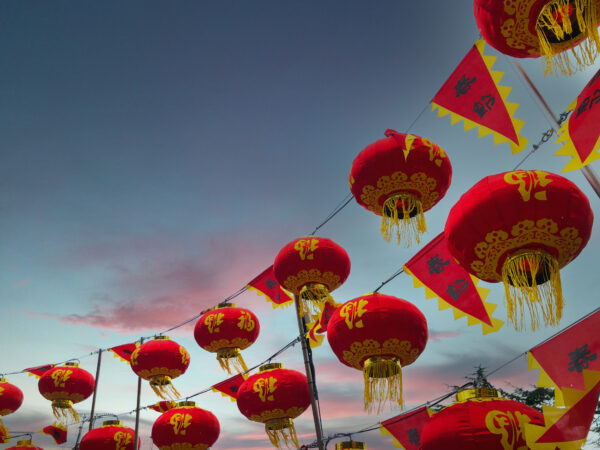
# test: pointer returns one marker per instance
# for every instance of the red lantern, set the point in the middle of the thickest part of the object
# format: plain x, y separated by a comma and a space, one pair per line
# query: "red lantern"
480, 420
378, 334
11, 398
399, 178
521, 227
159, 361
111, 435
225, 331
311, 268
275, 396
531, 28
185, 427
23, 445
65, 385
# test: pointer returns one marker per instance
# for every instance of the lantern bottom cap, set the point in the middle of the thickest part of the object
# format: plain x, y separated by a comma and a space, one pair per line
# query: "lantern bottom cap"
383, 383
231, 358
313, 297
402, 215
350, 445
162, 386
281, 432
63, 410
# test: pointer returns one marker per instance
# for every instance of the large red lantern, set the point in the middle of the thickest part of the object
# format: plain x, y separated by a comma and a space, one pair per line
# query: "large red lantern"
25, 445
225, 331
531, 28
378, 334
112, 435
399, 178
520, 228
159, 361
311, 267
11, 398
274, 396
185, 427
65, 385
480, 420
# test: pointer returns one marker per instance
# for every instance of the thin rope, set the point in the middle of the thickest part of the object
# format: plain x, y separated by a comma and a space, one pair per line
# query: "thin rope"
335, 211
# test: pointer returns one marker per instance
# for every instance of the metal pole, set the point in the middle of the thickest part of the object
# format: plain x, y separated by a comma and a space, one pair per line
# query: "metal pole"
588, 172
95, 390
137, 411
309, 375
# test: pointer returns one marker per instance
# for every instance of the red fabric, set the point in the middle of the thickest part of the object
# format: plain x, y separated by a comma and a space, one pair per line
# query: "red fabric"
184, 427
163, 406
480, 424
378, 317
481, 90
24, 447
230, 386
160, 357
11, 397
227, 327
266, 284
124, 351
38, 371
107, 437
375, 167
435, 267
583, 123
283, 392
66, 383
490, 217
57, 432
311, 259
407, 428
326, 316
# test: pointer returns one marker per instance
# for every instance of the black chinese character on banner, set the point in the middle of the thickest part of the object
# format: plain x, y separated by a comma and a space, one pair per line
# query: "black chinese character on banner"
588, 103
436, 264
270, 283
464, 85
413, 436
481, 108
457, 289
580, 359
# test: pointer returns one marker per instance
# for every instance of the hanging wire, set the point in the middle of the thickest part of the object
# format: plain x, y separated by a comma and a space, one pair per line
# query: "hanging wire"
341, 205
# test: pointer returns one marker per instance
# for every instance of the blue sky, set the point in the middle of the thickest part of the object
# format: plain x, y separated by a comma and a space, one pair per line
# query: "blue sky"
157, 155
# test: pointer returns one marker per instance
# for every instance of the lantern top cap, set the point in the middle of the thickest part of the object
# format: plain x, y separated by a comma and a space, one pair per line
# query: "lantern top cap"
3, 380
350, 445
225, 305
467, 394
270, 366
161, 338
25, 442
187, 404
108, 423
71, 364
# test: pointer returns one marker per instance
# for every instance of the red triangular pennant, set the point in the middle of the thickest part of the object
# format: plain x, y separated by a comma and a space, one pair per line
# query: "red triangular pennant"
38, 371
266, 284
163, 406
123, 351
230, 387
406, 429
57, 431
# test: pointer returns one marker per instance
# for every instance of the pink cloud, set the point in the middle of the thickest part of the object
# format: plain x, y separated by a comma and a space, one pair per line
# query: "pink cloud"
438, 336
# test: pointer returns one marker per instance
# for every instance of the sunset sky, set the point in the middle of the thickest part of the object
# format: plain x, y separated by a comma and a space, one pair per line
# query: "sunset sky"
157, 155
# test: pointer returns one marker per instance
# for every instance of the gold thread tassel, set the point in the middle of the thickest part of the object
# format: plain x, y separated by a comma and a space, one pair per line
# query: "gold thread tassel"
402, 214
162, 386
231, 358
4, 433
63, 411
282, 432
313, 297
532, 279
383, 383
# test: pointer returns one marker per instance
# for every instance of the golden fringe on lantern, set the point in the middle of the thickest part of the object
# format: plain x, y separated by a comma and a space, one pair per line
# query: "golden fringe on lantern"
282, 432
521, 273
407, 227
313, 297
383, 383
63, 410
555, 18
162, 386
231, 358
4, 433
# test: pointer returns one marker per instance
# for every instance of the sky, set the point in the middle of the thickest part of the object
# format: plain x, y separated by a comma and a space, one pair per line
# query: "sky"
157, 155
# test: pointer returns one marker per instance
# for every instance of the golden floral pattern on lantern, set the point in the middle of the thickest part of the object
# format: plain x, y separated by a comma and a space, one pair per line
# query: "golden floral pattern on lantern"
373, 197
62, 395
184, 446
217, 345
359, 351
5, 412
526, 233
159, 371
295, 283
277, 413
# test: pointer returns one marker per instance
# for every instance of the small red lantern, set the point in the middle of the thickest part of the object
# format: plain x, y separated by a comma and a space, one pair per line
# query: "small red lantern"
531, 28
111, 435
480, 419
311, 268
159, 361
23, 445
399, 178
275, 396
225, 331
521, 227
378, 334
65, 385
185, 427
11, 398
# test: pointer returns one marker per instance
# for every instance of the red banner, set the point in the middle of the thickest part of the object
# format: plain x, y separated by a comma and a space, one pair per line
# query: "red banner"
57, 431
123, 352
266, 284
580, 133
443, 278
406, 429
318, 328
472, 94
163, 406
38, 371
230, 387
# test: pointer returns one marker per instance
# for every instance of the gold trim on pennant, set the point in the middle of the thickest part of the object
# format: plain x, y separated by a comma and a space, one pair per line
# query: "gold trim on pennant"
360, 351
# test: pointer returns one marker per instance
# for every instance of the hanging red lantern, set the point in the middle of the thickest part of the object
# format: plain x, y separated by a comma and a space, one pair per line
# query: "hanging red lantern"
111, 435
480, 419
378, 334
185, 427
275, 396
311, 267
520, 228
23, 445
159, 361
11, 398
225, 331
65, 385
532, 28
399, 178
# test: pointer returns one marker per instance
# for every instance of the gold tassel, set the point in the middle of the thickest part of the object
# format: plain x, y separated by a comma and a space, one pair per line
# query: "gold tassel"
4, 434
282, 432
162, 386
402, 214
231, 358
532, 278
313, 297
63, 411
383, 383
554, 25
